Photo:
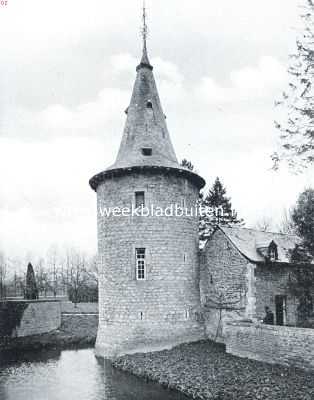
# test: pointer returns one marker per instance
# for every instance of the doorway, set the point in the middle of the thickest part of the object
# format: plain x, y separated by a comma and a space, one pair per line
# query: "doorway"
280, 302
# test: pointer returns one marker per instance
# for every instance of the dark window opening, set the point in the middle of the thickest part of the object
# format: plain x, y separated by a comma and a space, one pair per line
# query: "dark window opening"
149, 104
281, 311
139, 199
147, 151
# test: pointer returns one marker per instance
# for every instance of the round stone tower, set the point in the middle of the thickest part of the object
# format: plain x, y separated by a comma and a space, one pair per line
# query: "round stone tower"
148, 252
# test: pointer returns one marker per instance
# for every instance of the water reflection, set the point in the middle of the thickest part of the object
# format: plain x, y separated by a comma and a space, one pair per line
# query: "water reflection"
67, 375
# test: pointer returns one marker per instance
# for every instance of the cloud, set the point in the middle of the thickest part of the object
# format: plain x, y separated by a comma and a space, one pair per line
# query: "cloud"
268, 74
247, 83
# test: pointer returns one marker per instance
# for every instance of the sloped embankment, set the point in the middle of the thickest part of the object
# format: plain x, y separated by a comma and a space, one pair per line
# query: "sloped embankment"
203, 370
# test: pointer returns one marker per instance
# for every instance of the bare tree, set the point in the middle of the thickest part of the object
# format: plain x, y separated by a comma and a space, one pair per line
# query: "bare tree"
222, 301
3, 275
43, 281
92, 270
264, 224
286, 225
77, 275
54, 268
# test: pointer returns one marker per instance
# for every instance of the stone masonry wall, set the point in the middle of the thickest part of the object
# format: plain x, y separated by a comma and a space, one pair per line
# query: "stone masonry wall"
160, 311
225, 278
28, 318
269, 282
284, 345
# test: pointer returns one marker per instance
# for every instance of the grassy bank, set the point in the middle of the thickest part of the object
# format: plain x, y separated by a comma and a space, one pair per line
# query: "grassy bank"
203, 370
75, 331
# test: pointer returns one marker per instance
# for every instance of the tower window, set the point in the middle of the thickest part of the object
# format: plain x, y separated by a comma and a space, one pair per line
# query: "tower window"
149, 104
140, 264
139, 199
147, 151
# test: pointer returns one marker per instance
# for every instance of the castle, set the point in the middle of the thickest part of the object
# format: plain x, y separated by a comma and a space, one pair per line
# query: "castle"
154, 283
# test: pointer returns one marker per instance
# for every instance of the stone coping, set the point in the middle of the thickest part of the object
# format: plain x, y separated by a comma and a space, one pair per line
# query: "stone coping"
258, 325
30, 301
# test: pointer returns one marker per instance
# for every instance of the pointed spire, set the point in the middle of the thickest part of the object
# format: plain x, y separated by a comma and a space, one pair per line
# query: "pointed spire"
144, 61
146, 143
146, 140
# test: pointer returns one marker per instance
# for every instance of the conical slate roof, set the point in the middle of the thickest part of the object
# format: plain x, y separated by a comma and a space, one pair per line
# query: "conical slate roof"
146, 141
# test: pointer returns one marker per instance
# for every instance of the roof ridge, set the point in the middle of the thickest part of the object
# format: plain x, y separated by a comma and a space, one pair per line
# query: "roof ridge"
257, 230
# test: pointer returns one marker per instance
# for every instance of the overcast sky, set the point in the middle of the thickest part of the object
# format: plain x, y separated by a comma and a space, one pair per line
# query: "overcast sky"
66, 75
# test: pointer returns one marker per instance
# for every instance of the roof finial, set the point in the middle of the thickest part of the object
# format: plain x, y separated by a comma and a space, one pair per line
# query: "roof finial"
144, 61
145, 28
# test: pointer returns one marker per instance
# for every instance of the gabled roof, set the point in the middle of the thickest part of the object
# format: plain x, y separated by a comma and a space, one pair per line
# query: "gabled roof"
251, 243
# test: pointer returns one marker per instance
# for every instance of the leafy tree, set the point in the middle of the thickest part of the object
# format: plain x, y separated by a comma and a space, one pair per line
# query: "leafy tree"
303, 218
301, 285
297, 130
187, 164
31, 291
219, 210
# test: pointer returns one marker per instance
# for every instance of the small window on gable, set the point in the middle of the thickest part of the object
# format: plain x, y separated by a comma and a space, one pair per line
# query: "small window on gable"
149, 104
147, 151
140, 264
139, 199
272, 251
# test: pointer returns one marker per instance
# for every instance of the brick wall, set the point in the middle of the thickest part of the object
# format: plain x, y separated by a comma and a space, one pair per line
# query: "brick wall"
160, 311
273, 344
28, 318
224, 272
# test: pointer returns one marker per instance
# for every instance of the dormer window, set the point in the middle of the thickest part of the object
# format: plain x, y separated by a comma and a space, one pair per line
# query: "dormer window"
147, 151
272, 251
149, 104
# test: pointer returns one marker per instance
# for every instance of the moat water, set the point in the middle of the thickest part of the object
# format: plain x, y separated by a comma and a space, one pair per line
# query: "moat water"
71, 375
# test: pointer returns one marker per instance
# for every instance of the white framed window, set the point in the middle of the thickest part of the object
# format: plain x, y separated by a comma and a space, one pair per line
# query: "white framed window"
140, 264
139, 199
